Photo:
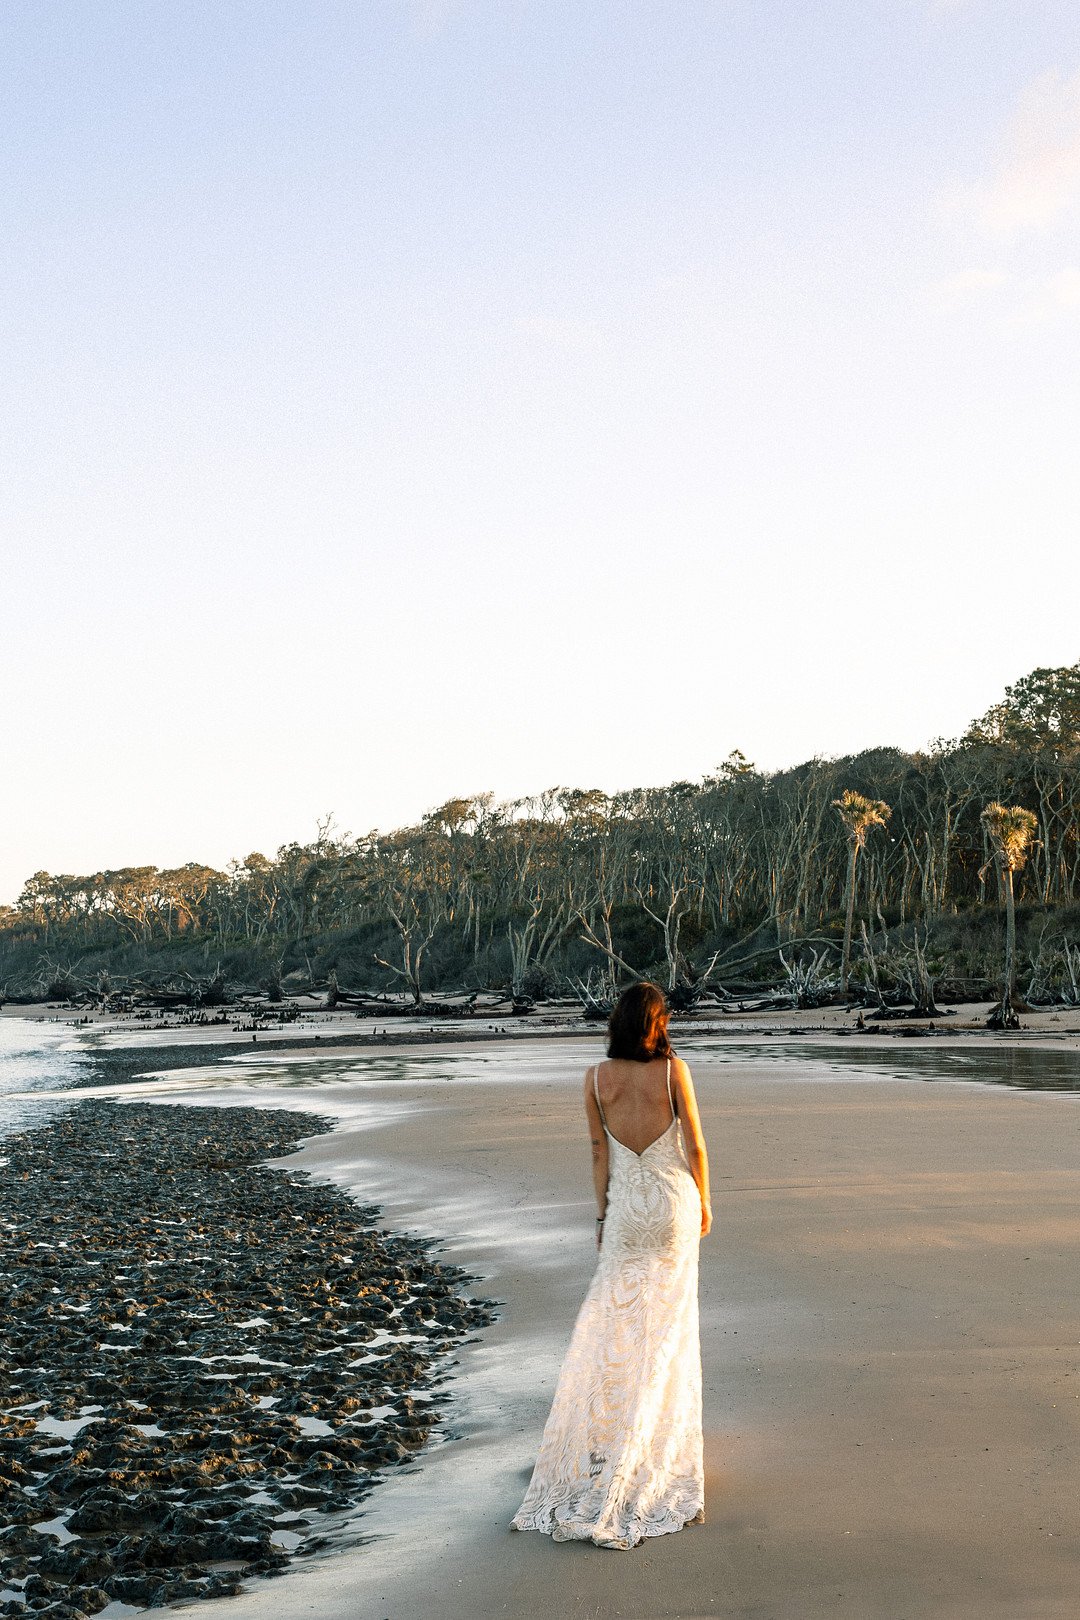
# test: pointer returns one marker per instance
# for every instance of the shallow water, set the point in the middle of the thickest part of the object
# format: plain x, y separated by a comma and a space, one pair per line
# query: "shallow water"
34, 1056
1025, 1068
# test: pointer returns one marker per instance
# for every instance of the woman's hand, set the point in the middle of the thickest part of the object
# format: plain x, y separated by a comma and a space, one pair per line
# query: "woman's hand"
706, 1220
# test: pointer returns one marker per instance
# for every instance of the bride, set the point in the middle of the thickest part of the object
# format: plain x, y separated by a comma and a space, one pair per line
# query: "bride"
621, 1454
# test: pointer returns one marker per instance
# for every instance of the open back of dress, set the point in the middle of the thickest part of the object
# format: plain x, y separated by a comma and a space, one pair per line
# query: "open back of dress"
621, 1454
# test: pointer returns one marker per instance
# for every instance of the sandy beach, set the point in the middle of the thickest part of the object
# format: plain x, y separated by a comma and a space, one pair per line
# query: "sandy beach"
890, 1337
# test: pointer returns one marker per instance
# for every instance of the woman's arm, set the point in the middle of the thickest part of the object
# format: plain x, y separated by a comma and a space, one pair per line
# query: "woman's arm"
599, 1144
696, 1154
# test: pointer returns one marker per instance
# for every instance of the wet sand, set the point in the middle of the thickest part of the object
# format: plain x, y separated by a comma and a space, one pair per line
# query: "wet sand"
890, 1337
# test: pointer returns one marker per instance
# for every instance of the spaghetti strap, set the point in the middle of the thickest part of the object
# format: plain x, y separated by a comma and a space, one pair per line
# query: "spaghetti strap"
670, 1098
596, 1093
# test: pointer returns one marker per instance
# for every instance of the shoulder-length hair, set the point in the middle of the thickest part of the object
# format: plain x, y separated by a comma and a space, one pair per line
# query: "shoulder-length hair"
637, 1028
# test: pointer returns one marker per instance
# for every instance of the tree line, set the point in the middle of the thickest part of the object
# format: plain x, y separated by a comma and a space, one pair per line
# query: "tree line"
879, 869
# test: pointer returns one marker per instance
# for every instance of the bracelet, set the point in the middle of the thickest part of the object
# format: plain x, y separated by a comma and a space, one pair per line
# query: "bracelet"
600, 1220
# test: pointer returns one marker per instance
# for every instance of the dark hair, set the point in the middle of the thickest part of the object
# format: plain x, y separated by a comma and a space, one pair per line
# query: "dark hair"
637, 1028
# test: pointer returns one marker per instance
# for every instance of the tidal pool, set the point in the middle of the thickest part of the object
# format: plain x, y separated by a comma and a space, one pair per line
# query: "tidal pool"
1027, 1068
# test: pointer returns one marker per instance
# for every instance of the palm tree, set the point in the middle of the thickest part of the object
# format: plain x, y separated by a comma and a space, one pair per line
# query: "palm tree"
1010, 829
859, 815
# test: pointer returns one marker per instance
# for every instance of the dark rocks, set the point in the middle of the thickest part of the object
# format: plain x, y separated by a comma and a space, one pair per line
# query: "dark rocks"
194, 1347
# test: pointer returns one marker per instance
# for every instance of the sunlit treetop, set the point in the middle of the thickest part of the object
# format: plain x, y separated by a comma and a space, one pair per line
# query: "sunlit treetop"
1040, 711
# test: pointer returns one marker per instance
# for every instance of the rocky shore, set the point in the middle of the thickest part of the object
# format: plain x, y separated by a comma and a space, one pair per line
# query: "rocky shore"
206, 1362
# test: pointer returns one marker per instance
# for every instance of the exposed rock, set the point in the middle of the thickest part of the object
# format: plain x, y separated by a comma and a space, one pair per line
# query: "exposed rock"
178, 1314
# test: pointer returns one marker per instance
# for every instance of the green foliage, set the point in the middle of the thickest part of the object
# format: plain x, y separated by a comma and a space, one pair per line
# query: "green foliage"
1039, 712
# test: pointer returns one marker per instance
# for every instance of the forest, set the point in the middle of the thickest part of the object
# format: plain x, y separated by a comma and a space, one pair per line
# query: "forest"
952, 874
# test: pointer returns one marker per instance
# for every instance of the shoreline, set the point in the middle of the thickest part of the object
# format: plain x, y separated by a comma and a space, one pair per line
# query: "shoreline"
117, 1048
224, 1387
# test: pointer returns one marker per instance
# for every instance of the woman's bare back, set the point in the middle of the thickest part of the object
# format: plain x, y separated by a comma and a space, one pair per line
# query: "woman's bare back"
634, 1097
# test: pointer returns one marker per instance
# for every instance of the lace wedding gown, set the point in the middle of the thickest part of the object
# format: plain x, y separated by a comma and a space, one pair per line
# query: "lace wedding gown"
621, 1454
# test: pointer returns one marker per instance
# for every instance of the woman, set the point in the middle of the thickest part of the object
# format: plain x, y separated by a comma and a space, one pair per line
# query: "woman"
621, 1454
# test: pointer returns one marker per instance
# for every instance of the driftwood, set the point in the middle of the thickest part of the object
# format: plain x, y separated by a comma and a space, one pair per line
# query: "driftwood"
166, 1000
1005, 1013
888, 1015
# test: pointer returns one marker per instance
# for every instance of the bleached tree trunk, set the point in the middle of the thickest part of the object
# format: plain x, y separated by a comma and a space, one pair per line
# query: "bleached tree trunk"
849, 916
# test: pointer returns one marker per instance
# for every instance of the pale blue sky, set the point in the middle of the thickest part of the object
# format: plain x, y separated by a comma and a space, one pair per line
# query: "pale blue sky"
405, 399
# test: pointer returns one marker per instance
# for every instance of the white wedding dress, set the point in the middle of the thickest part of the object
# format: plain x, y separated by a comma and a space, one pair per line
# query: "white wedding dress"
621, 1454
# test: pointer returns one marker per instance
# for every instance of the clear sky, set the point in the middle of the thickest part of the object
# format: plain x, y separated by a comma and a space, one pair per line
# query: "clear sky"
403, 398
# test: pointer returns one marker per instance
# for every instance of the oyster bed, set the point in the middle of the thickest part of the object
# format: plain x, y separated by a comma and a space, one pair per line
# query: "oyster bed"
205, 1362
